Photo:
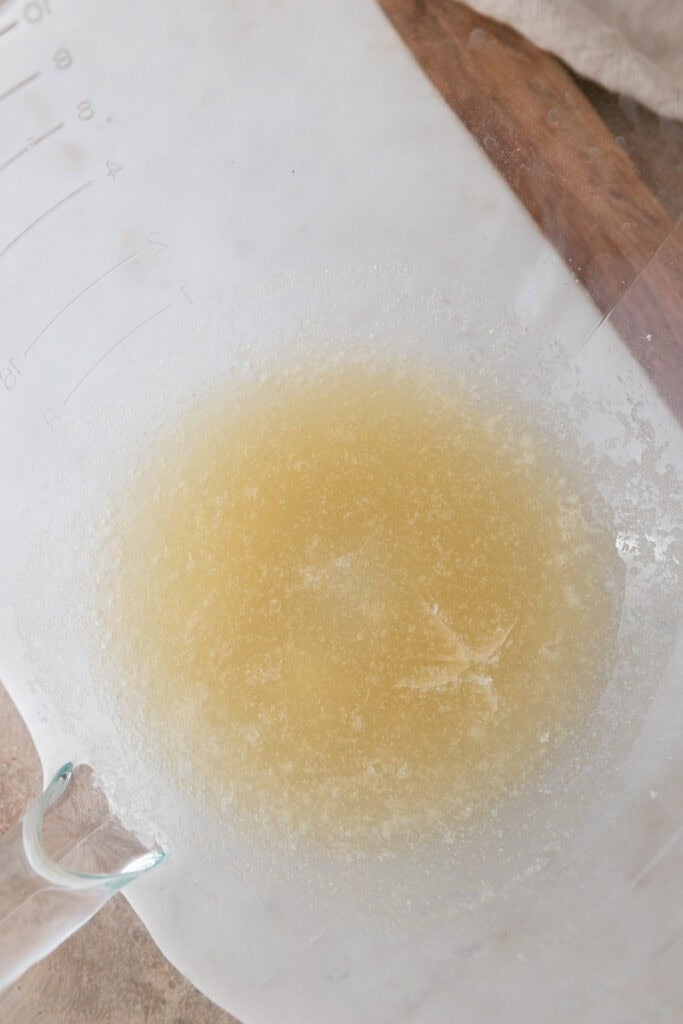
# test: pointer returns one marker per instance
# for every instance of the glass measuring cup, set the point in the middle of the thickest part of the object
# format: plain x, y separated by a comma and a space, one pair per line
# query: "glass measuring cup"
58, 866
130, 288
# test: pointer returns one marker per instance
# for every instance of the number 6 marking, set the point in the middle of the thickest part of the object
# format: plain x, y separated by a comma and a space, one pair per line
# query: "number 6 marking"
85, 110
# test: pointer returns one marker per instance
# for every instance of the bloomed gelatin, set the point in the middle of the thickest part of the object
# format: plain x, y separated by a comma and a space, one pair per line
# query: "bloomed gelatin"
359, 604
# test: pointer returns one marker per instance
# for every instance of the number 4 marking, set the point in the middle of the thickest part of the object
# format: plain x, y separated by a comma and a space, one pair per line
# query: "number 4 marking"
113, 168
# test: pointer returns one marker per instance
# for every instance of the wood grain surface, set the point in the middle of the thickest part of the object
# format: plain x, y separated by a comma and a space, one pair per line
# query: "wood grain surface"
555, 152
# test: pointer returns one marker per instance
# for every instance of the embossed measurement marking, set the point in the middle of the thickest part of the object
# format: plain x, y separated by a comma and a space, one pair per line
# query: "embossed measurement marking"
111, 348
8, 28
77, 297
50, 210
19, 85
31, 145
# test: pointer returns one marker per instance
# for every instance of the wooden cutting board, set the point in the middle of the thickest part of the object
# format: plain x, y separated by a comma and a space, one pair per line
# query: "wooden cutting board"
528, 114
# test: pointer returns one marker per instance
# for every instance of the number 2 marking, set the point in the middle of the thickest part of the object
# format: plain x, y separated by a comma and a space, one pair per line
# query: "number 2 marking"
156, 243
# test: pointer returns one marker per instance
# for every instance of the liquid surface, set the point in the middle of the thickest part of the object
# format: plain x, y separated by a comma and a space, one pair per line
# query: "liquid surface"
357, 608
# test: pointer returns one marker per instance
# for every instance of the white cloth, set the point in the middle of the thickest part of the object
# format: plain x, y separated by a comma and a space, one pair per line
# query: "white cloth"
633, 47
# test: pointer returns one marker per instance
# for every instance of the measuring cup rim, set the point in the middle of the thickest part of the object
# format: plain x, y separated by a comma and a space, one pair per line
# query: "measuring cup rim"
44, 865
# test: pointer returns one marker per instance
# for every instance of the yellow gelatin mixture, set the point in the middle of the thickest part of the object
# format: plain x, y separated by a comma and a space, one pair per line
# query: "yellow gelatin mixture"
358, 604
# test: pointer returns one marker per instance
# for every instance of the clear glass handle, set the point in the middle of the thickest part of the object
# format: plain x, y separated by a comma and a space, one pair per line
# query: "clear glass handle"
59, 865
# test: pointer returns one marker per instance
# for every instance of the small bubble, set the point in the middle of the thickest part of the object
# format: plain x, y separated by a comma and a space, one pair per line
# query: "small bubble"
477, 37
552, 118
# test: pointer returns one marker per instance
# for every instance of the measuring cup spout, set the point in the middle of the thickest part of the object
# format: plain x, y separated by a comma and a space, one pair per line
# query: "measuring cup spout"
59, 865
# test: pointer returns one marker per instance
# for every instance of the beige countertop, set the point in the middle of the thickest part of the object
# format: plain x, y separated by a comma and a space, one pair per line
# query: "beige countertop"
111, 970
